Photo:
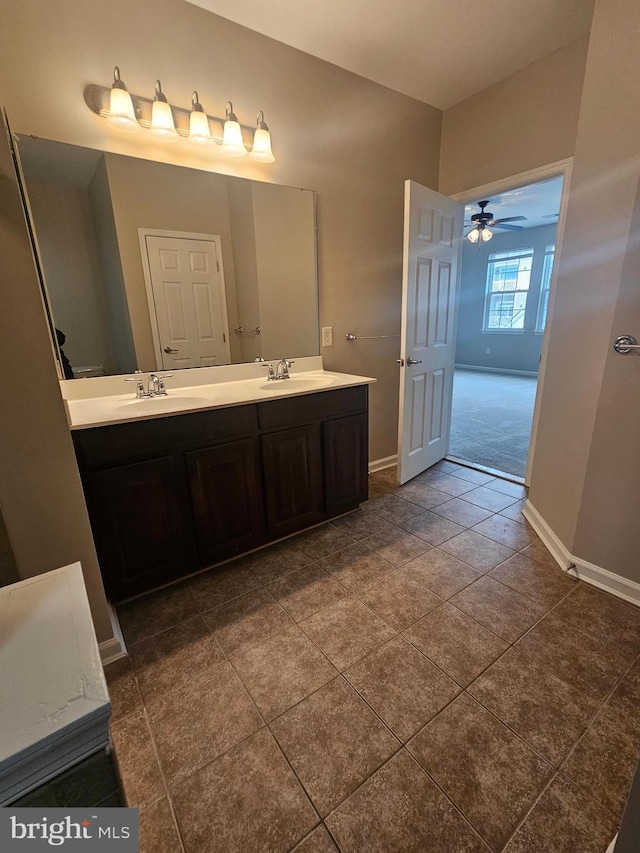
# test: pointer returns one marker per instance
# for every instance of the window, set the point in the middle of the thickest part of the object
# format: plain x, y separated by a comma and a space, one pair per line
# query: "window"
543, 305
508, 275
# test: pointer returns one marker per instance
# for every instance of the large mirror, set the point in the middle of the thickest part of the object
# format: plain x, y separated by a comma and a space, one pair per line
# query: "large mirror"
154, 266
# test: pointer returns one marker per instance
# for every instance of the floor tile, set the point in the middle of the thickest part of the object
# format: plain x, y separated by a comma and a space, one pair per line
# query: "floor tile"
400, 810
507, 532
488, 499
355, 566
393, 508
276, 560
539, 552
489, 773
564, 820
282, 671
457, 644
319, 841
514, 511
398, 599
360, 525
422, 494
604, 761
253, 780
396, 546
462, 512
546, 712
322, 541
123, 689
333, 741
478, 551
246, 621
441, 572
402, 686
506, 487
624, 702
137, 762
153, 613
432, 528
453, 486
479, 478
220, 585
158, 831
198, 722
346, 631
175, 656
447, 467
600, 614
541, 583
581, 661
499, 608
304, 592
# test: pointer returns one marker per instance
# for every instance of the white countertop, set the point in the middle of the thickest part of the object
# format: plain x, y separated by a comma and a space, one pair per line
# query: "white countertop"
184, 395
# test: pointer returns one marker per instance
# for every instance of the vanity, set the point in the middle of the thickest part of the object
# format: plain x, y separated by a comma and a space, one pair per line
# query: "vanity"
212, 471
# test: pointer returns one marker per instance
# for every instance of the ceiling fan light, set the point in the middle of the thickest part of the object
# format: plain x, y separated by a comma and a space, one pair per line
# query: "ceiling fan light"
474, 235
486, 234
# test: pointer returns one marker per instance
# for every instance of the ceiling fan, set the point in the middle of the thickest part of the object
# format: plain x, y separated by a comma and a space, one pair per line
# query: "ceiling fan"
483, 222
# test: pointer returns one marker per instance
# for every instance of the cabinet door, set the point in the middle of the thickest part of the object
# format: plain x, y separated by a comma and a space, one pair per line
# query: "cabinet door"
226, 499
293, 479
345, 443
138, 525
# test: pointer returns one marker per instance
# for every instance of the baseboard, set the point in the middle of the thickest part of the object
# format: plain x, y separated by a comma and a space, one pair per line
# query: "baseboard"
381, 464
115, 648
505, 370
577, 567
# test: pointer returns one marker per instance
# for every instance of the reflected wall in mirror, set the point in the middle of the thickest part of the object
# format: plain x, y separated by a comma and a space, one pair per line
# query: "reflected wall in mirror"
154, 266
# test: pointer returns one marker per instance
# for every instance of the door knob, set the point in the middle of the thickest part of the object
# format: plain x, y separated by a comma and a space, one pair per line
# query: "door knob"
168, 350
414, 361
625, 343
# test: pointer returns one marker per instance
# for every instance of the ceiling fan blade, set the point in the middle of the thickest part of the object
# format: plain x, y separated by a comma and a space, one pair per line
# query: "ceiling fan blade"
499, 224
550, 215
509, 219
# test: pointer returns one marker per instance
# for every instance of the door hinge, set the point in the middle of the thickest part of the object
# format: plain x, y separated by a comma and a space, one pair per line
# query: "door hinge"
224, 338
218, 265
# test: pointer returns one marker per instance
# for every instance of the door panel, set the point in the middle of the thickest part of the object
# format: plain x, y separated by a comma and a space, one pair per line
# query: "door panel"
345, 443
433, 228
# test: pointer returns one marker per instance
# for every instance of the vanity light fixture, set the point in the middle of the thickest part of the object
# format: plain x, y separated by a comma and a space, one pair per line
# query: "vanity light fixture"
121, 111
232, 143
198, 123
133, 112
162, 124
261, 150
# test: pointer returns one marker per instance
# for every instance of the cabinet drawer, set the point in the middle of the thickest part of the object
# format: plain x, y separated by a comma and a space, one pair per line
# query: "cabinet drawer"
309, 408
111, 445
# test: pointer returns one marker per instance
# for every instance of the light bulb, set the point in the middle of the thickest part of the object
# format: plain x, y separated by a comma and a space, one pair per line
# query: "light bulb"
121, 112
162, 124
261, 150
232, 143
473, 236
198, 123
487, 234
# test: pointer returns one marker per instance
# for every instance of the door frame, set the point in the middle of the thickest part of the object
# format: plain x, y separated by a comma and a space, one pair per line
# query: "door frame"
143, 233
560, 167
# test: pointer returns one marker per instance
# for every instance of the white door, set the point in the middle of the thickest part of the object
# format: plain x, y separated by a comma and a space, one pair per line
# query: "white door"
432, 238
187, 301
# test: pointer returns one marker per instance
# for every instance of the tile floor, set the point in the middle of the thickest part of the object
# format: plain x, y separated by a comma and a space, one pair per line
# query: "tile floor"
417, 676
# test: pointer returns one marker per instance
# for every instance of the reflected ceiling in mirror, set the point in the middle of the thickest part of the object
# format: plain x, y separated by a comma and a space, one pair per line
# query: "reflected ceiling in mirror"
161, 267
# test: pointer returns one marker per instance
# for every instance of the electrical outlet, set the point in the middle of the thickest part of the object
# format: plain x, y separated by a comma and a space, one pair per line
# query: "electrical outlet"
487, 351
327, 336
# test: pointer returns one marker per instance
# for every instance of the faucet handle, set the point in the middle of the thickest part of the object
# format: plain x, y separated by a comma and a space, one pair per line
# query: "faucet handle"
269, 367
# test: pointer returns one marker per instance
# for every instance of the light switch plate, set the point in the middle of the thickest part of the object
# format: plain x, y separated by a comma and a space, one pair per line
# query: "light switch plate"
327, 336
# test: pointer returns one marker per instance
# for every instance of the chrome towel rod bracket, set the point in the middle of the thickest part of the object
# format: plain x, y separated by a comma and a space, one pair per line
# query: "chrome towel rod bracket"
351, 337
241, 331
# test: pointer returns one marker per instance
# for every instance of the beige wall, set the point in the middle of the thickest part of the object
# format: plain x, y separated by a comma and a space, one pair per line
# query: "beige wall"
528, 120
587, 463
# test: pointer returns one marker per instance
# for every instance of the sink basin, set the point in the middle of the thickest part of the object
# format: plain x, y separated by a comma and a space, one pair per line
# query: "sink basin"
150, 405
299, 383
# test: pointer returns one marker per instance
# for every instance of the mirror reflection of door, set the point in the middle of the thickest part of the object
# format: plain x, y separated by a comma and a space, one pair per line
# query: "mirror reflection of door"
187, 300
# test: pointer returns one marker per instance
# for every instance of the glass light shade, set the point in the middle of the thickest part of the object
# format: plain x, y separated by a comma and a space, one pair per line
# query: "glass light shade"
121, 112
162, 124
487, 234
262, 146
232, 143
199, 127
473, 236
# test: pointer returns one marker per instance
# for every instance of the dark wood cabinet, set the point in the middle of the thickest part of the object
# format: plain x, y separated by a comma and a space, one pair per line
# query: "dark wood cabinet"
176, 494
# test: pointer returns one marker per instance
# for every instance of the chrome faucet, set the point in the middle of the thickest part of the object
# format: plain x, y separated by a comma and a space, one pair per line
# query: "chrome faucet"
155, 387
282, 370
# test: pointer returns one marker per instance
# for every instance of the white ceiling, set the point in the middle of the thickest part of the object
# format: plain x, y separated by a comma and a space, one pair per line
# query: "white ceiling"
438, 51
538, 202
